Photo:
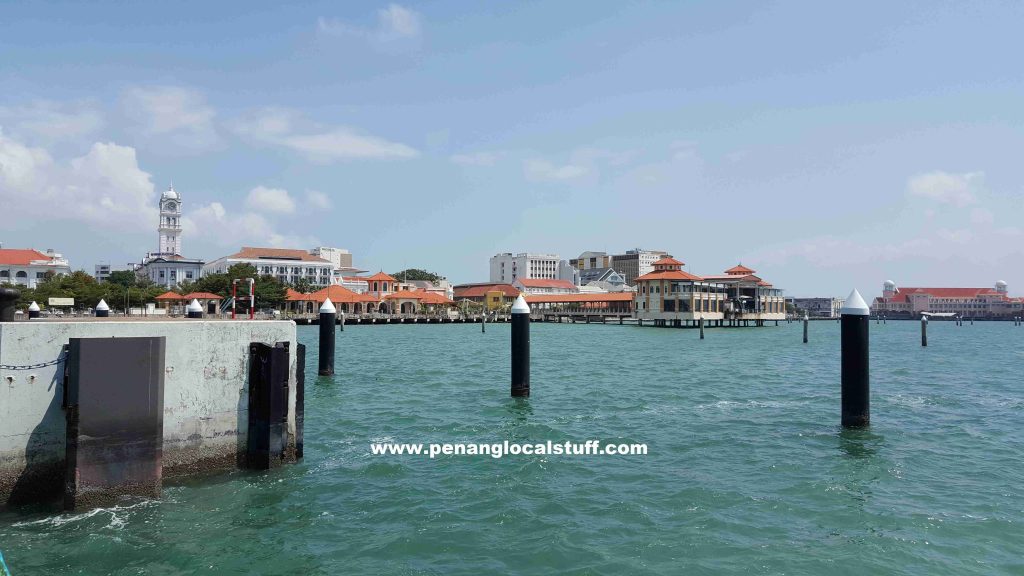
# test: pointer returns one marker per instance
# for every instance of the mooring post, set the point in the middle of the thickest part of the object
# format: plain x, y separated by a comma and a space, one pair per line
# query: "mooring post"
856, 401
328, 313
806, 320
483, 322
701, 325
520, 348
194, 310
8, 299
342, 322
102, 310
924, 330
33, 310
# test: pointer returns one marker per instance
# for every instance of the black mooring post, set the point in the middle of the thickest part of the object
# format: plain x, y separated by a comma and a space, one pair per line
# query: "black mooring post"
856, 401
194, 310
342, 323
268, 405
924, 330
102, 310
8, 299
300, 397
328, 314
701, 325
520, 348
33, 310
806, 320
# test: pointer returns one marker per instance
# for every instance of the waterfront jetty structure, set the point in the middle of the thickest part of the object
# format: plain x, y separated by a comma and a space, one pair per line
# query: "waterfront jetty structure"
670, 296
95, 410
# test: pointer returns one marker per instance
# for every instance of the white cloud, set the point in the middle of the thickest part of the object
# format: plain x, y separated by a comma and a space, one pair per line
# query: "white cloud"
284, 128
212, 222
542, 170
48, 122
344, 144
276, 200
394, 23
105, 186
947, 188
475, 159
982, 217
398, 22
172, 112
318, 200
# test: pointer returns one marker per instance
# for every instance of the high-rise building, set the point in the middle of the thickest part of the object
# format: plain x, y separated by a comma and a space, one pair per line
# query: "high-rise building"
507, 268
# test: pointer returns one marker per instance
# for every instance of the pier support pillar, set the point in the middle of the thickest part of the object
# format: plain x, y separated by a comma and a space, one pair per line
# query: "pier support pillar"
300, 398
520, 348
856, 397
268, 404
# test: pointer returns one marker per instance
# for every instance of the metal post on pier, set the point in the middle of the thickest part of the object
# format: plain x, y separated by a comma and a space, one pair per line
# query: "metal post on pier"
8, 299
520, 348
194, 310
856, 388
328, 313
924, 330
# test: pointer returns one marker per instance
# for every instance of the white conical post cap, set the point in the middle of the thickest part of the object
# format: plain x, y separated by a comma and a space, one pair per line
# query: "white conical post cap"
328, 307
33, 307
520, 306
102, 305
194, 306
855, 305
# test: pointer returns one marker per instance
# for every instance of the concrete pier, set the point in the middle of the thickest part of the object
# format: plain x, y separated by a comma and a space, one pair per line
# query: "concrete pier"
205, 397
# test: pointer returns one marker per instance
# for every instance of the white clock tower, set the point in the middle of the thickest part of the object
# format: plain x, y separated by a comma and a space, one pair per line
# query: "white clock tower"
170, 223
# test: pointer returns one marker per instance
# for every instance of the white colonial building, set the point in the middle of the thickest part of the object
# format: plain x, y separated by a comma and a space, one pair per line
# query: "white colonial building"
28, 267
965, 302
507, 268
167, 267
287, 265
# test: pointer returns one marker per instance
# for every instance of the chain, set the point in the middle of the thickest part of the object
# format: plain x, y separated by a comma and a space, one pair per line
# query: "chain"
33, 366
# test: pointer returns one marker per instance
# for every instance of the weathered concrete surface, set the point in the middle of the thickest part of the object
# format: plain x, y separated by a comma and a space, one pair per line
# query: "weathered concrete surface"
205, 396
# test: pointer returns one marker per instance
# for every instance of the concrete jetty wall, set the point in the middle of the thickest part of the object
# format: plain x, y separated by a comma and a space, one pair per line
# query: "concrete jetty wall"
205, 404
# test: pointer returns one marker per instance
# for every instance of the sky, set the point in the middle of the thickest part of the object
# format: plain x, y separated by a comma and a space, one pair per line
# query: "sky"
826, 145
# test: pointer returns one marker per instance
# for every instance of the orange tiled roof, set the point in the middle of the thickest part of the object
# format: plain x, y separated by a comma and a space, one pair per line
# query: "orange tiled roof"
970, 293
546, 283
558, 298
170, 295
249, 252
18, 257
338, 295
435, 298
202, 296
667, 262
405, 295
740, 269
381, 276
292, 295
669, 275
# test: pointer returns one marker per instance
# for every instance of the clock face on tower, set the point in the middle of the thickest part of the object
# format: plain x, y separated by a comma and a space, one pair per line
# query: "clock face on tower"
171, 206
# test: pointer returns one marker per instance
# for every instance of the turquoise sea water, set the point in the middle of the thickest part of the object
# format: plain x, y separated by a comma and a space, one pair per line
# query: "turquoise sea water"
747, 471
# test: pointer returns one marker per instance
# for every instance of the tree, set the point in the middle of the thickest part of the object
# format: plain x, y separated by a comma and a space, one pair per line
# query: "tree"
418, 274
125, 278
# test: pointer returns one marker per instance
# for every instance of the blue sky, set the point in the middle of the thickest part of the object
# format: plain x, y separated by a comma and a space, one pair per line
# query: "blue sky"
826, 145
